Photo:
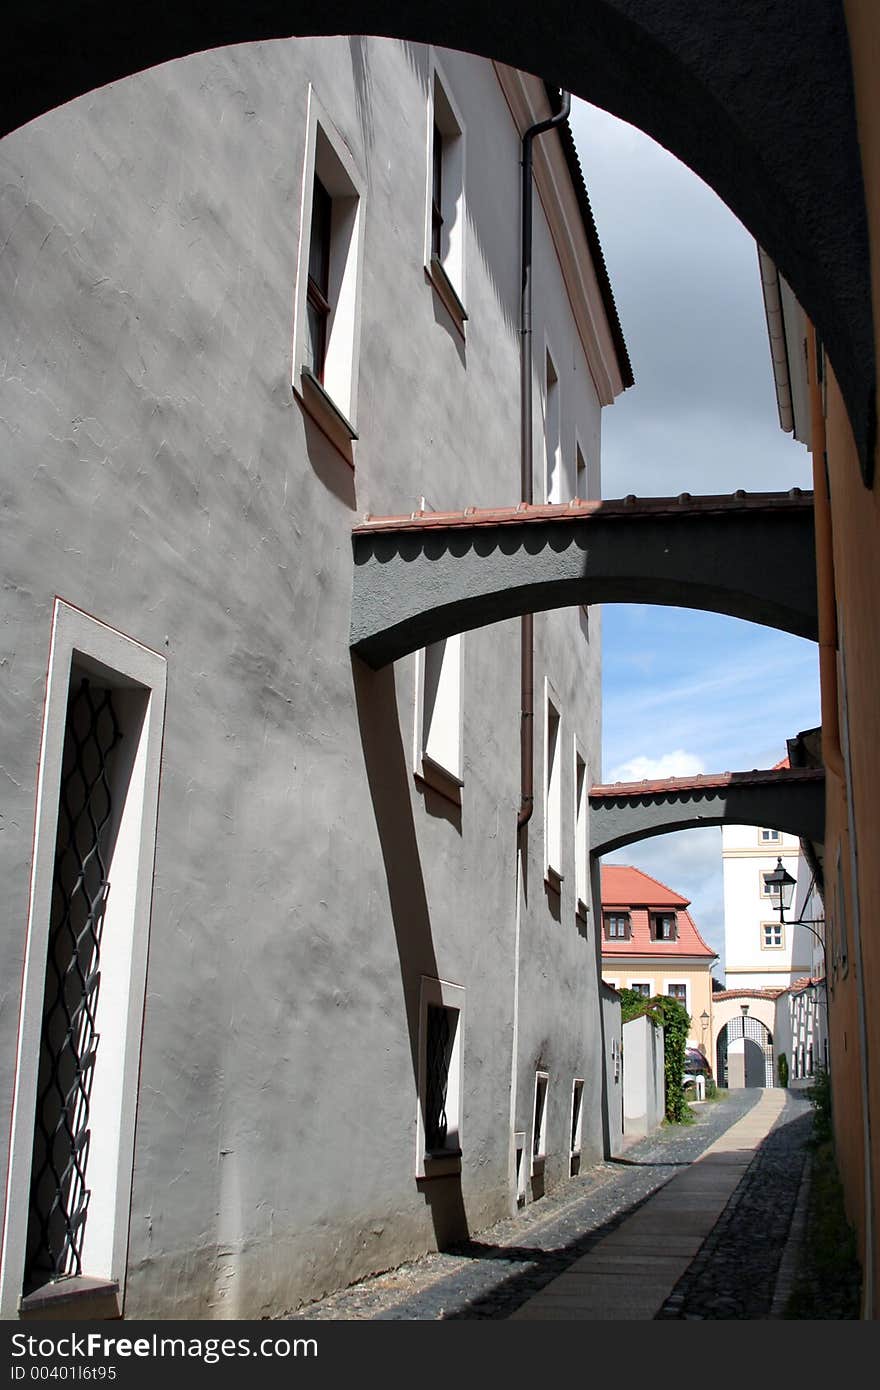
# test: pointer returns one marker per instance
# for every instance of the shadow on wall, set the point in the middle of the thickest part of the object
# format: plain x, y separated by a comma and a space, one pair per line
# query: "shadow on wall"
330, 467
388, 780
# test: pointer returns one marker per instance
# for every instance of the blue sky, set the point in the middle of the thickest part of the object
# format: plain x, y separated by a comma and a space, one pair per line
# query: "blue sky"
684, 691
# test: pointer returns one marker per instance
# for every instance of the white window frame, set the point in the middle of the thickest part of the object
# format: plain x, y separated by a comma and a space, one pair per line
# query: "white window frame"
447, 272
768, 836
778, 928
120, 662
552, 788
439, 750
539, 1138
581, 475
442, 994
679, 984
554, 468
438, 735
581, 838
640, 984
333, 404
519, 1166
577, 1115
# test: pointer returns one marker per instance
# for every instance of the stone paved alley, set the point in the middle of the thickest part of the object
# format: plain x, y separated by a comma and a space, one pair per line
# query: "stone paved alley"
701, 1221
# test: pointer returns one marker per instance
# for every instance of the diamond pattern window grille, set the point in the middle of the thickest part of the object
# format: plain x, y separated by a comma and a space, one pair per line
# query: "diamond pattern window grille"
438, 1053
59, 1196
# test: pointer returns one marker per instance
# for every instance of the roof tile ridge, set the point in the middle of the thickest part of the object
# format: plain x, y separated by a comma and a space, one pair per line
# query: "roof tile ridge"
673, 891
699, 937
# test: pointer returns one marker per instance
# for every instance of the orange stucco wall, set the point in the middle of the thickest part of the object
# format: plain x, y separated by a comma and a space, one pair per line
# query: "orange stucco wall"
856, 531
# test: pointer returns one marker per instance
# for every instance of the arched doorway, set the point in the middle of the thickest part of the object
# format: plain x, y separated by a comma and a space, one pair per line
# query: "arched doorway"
744, 1054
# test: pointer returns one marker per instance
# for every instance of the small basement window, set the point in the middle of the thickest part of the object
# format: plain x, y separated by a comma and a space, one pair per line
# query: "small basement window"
438, 1125
539, 1121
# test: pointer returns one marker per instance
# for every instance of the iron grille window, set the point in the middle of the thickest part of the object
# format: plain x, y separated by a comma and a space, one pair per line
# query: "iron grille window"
438, 1055
59, 1197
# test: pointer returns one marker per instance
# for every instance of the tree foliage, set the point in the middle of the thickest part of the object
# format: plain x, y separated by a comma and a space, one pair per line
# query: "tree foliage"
670, 1015
782, 1069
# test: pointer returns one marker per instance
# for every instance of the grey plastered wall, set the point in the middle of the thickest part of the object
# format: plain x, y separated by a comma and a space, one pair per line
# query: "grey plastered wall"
644, 1096
612, 1028
159, 474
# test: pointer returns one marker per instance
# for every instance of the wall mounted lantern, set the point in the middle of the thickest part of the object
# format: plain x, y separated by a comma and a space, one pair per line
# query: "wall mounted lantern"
780, 886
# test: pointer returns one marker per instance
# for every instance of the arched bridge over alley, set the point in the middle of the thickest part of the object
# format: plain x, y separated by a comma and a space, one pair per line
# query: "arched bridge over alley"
787, 799
423, 577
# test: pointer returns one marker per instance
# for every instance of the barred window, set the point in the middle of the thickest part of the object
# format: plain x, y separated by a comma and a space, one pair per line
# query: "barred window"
441, 1029
438, 1055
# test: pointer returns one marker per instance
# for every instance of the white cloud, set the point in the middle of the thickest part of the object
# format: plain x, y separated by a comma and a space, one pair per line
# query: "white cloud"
641, 767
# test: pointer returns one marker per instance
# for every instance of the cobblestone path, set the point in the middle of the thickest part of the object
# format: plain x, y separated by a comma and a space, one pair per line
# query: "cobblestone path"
733, 1275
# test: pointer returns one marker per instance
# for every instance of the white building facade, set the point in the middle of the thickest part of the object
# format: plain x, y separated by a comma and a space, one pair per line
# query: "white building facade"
760, 952
283, 1017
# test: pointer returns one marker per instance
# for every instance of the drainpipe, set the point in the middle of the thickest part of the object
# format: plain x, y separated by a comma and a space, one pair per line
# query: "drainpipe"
527, 654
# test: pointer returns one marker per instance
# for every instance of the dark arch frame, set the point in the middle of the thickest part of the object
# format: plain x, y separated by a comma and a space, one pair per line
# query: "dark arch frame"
756, 98
791, 800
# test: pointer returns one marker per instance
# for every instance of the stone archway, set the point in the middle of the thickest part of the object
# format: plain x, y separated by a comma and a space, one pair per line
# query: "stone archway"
742, 1042
757, 99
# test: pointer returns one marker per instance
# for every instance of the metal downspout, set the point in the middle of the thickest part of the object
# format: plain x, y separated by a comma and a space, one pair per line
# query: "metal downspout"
527, 654
527, 622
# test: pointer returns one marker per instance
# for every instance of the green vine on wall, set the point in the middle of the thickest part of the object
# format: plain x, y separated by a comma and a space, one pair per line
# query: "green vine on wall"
668, 1014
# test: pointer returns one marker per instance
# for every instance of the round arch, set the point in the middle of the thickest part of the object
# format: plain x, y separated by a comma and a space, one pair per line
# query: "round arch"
750, 1035
757, 99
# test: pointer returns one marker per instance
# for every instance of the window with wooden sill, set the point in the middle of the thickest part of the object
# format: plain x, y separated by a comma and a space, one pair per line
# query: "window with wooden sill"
327, 315
445, 205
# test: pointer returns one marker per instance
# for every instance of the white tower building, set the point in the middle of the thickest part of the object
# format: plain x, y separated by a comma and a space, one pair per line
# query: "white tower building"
760, 952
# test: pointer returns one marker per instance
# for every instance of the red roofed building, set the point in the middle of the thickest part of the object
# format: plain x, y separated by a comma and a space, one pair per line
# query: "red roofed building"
650, 943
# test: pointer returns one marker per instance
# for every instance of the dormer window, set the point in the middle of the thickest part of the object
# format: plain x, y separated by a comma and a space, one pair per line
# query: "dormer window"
664, 926
617, 926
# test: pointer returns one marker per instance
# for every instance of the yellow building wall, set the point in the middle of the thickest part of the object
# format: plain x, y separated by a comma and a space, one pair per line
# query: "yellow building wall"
697, 978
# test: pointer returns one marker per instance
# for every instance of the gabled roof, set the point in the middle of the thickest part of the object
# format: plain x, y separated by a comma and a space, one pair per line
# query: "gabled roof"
624, 886
629, 889
579, 185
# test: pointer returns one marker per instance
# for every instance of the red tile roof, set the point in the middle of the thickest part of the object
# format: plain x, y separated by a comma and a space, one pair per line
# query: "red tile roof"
640, 894
747, 994
583, 508
624, 886
706, 781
